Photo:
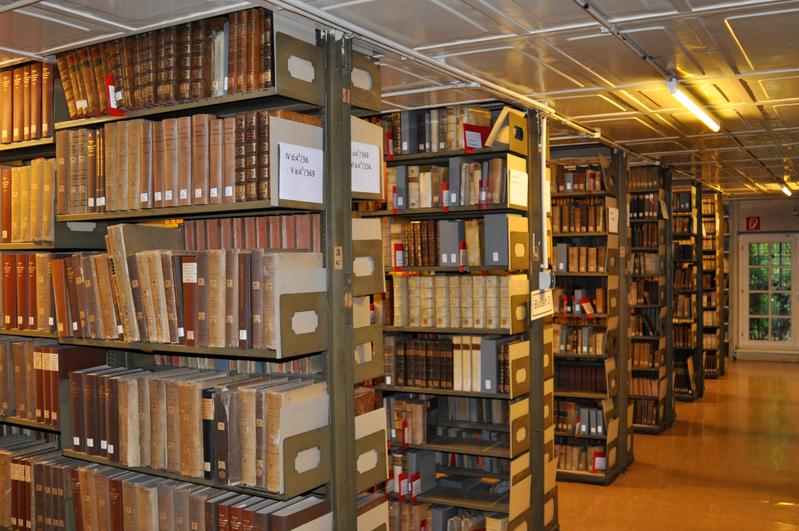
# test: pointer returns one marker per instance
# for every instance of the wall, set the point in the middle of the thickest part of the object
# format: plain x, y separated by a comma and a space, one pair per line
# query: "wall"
776, 215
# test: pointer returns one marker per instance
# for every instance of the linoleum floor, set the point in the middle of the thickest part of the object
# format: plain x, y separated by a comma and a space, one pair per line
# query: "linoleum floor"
729, 462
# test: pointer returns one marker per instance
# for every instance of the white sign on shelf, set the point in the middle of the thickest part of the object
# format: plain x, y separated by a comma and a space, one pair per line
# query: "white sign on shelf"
541, 304
301, 171
365, 168
518, 188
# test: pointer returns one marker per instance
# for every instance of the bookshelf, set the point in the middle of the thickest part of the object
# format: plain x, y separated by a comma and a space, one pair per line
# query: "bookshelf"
713, 284
725, 308
336, 442
650, 320
686, 243
592, 367
453, 245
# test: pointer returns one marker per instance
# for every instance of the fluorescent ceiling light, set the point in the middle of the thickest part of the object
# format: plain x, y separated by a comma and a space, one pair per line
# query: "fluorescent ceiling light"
686, 101
786, 190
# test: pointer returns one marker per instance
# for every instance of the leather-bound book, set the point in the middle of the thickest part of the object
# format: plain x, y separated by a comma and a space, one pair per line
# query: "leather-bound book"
200, 86
134, 164
30, 292
122, 168
66, 83
158, 296
190, 406
17, 110
35, 118
5, 203
108, 328
232, 50
231, 305
266, 48
254, 49
6, 109
241, 51
216, 160
76, 83
25, 101
184, 154
240, 162
244, 299
47, 117
211, 509
47, 212
215, 306
73, 175
256, 298
21, 287
60, 299
16, 204
142, 296
177, 294
24, 210
228, 187
145, 190
99, 70
110, 192
91, 407
250, 157
202, 326
189, 275
262, 146
89, 293
45, 320
89, 86
89, 204
99, 188
147, 67
184, 61
171, 161
167, 65
128, 73
167, 287
157, 165
77, 296
200, 129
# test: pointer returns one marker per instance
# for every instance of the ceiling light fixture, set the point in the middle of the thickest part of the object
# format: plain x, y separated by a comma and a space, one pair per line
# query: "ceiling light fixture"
786, 190
686, 101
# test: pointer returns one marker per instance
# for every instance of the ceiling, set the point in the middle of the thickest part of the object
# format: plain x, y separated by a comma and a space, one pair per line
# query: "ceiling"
739, 58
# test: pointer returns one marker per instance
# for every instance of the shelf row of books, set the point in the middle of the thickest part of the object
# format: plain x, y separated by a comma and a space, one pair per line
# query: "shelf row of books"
712, 284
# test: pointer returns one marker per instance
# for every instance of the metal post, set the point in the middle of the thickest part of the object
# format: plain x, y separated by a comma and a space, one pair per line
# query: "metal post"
338, 249
670, 413
699, 366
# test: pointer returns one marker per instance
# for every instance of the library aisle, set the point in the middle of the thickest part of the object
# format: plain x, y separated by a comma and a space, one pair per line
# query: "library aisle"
731, 461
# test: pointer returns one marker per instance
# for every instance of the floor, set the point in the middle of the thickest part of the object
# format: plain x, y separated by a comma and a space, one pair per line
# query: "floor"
731, 462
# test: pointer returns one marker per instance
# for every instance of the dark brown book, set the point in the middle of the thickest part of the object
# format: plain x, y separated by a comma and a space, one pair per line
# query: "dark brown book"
170, 295
35, 124
66, 83
90, 168
250, 182
113, 62
99, 70
244, 299
89, 298
166, 62
126, 55
17, 111
177, 287
201, 58
84, 64
60, 297
200, 129
262, 146
138, 301
184, 61
240, 147
6, 109
78, 442
26, 102
266, 48
72, 298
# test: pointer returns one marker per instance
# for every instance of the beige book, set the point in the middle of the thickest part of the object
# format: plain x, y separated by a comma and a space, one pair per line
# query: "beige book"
491, 302
261, 434
126, 240
400, 301
292, 412
466, 363
441, 299
47, 229
158, 295
467, 302
426, 299
414, 307
146, 493
425, 188
145, 431
88, 497
216, 298
34, 232
146, 290
246, 397
110, 328
134, 147
121, 177
479, 301
158, 414
129, 450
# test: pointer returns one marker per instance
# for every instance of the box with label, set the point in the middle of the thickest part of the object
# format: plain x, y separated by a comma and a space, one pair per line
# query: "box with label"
367, 257
450, 235
296, 164
514, 302
367, 160
371, 466
298, 299
369, 357
374, 519
519, 510
506, 242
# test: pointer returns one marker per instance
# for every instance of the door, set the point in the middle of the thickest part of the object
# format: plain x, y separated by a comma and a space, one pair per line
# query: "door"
768, 309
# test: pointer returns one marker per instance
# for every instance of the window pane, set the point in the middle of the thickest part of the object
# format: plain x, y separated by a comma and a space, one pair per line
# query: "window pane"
758, 278
781, 279
781, 304
781, 330
758, 328
786, 254
758, 304
758, 254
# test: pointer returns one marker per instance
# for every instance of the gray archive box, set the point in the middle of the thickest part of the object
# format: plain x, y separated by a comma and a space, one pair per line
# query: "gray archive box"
423, 462
401, 199
450, 234
506, 241
440, 515
454, 182
561, 257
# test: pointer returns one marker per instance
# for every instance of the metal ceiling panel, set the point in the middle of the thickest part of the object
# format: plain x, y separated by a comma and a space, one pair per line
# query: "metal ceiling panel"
765, 39
37, 31
435, 98
138, 15
589, 105
624, 128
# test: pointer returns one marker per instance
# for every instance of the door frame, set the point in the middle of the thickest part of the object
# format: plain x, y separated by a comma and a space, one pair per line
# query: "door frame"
765, 350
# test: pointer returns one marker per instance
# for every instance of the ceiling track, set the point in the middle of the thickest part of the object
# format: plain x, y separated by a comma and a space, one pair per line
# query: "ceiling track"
667, 74
328, 20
